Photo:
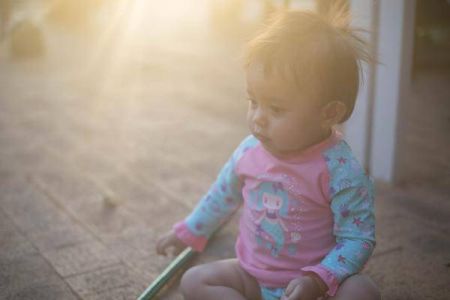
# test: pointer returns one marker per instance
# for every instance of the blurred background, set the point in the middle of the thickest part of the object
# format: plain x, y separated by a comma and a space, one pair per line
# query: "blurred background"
118, 52
115, 116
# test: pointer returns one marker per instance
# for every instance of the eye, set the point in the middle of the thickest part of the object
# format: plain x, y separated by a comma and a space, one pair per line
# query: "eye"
276, 109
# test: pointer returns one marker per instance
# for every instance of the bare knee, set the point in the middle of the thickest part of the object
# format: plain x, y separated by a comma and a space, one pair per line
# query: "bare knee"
358, 287
191, 282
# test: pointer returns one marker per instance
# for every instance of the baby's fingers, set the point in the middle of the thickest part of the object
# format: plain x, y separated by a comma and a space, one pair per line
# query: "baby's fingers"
161, 246
294, 294
290, 288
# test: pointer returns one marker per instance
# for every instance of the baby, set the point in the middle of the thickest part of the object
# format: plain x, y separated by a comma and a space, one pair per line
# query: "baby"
307, 226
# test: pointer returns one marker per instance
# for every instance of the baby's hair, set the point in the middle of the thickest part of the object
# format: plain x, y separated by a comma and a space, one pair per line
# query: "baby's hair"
320, 54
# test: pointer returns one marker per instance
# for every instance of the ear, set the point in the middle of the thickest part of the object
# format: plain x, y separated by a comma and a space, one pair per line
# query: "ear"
332, 113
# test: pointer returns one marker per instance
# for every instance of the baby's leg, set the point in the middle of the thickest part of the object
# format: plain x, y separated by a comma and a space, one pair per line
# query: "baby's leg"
357, 287
223, 279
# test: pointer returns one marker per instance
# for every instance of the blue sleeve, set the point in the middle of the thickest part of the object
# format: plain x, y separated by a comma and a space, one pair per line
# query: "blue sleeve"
222, 199
352, 204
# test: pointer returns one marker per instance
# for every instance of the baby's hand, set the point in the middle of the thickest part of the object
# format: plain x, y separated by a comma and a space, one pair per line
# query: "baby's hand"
303, 288
169, 243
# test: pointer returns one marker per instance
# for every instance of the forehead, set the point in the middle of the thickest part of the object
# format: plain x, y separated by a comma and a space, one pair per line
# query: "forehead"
256, 71
271, 85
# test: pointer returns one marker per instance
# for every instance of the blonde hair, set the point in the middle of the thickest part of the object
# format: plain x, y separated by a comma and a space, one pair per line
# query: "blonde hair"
320, 54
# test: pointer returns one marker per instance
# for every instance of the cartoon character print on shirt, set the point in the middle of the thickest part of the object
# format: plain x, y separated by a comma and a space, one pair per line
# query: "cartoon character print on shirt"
271, 203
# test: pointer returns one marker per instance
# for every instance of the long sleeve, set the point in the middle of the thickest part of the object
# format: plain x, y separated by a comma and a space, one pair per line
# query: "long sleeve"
352, 204
220, 202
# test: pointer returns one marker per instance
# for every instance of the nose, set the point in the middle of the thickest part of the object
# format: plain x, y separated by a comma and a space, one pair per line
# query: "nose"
259, 117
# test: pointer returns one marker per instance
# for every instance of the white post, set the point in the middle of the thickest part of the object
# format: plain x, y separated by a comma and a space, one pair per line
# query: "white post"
358, 128
395, 44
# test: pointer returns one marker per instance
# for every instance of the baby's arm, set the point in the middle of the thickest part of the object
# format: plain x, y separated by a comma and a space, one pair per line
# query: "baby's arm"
221, 201
354, 228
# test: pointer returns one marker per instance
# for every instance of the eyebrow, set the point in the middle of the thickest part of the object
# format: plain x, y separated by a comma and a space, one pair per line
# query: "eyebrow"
271, 100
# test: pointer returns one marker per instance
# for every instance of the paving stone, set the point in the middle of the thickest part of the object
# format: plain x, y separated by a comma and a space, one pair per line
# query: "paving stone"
31, 210
43, 223
149, 267
32, 155
436, 205
142, 196
138, 252
95, 165
43, 290
80, 258
399, 228
402, 275
188, 189
60, 237
86, 202
10, 182
149, 202
25, 273
61, 144
134, 245
110, 222
68, 187
116, 281
120, 293
13, 244
176, 180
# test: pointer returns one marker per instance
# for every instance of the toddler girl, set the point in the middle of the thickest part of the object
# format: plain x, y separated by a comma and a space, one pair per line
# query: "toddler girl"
307, 226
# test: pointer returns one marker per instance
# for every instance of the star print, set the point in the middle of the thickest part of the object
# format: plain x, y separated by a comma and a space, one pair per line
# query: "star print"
339, 246
362, 192
345, 212
342, 160
341, 259
199, 226
366, 245
332, 190
357, 221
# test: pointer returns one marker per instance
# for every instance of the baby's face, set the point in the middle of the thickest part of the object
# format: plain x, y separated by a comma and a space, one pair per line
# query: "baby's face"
272, 201
279, 116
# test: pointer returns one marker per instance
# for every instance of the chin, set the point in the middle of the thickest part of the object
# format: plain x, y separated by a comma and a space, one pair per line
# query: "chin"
273, 150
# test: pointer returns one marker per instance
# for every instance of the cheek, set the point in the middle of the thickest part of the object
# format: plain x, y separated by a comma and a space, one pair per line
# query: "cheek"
284, 129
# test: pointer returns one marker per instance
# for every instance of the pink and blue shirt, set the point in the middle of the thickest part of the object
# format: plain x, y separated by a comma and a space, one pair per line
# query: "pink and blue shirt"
310, 213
